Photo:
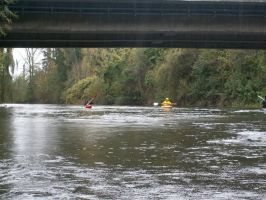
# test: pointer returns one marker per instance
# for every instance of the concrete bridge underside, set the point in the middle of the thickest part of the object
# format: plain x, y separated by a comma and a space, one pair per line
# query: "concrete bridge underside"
158, 23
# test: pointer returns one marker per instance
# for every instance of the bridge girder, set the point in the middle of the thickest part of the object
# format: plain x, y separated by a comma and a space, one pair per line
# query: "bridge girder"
146, 23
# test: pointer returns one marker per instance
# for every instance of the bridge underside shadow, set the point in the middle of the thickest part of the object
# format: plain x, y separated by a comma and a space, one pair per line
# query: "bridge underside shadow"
196, 25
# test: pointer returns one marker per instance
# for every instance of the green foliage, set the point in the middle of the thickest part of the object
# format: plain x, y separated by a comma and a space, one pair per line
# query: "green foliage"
80, 91
6, 16
174, 73
20, 86
190, 77
245, 78
206, 81
6, 68
154, 55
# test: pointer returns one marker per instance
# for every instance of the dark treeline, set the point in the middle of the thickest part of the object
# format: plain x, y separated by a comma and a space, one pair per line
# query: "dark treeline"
6, 16
190, 77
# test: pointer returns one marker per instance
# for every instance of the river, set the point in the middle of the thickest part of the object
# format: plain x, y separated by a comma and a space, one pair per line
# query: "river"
121, 152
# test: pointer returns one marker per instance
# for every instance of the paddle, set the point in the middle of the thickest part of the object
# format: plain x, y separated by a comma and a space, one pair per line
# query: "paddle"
89, 102
261, 97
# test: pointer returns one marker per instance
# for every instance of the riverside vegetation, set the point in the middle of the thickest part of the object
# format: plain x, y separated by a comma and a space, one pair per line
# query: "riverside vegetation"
136, 76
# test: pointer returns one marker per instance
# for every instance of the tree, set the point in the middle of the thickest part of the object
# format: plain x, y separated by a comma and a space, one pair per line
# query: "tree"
245, 79
32, 64
173, 74
6, 16
141, 76
6, 69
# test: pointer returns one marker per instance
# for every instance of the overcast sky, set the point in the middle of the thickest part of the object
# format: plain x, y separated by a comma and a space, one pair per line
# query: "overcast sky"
19, 55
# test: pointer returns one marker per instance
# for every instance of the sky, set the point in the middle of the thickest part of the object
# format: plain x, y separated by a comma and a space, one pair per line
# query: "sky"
19, 55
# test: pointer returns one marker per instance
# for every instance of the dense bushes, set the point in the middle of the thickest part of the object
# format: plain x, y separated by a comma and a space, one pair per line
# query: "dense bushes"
191, 77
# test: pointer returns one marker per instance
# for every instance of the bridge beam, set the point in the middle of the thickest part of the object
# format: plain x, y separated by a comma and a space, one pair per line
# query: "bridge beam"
42, 26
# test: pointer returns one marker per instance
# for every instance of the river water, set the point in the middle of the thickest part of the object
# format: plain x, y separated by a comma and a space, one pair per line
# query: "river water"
114, 152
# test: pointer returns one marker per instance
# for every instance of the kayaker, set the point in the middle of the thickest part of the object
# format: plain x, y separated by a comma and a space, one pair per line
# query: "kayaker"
166, 102
89, 102
264, 102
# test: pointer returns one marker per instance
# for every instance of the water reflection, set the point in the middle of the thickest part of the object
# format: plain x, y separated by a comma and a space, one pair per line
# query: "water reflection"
5, 136
5, 154
66, 152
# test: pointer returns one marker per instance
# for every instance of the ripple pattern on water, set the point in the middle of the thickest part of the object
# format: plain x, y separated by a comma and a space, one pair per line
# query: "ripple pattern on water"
58, 178
121, 152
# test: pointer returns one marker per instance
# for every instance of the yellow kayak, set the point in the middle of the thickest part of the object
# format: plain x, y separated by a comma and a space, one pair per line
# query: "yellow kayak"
166, 106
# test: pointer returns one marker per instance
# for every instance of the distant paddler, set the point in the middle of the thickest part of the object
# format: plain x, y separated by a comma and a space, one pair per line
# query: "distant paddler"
263, 101
88, 103
167, 103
